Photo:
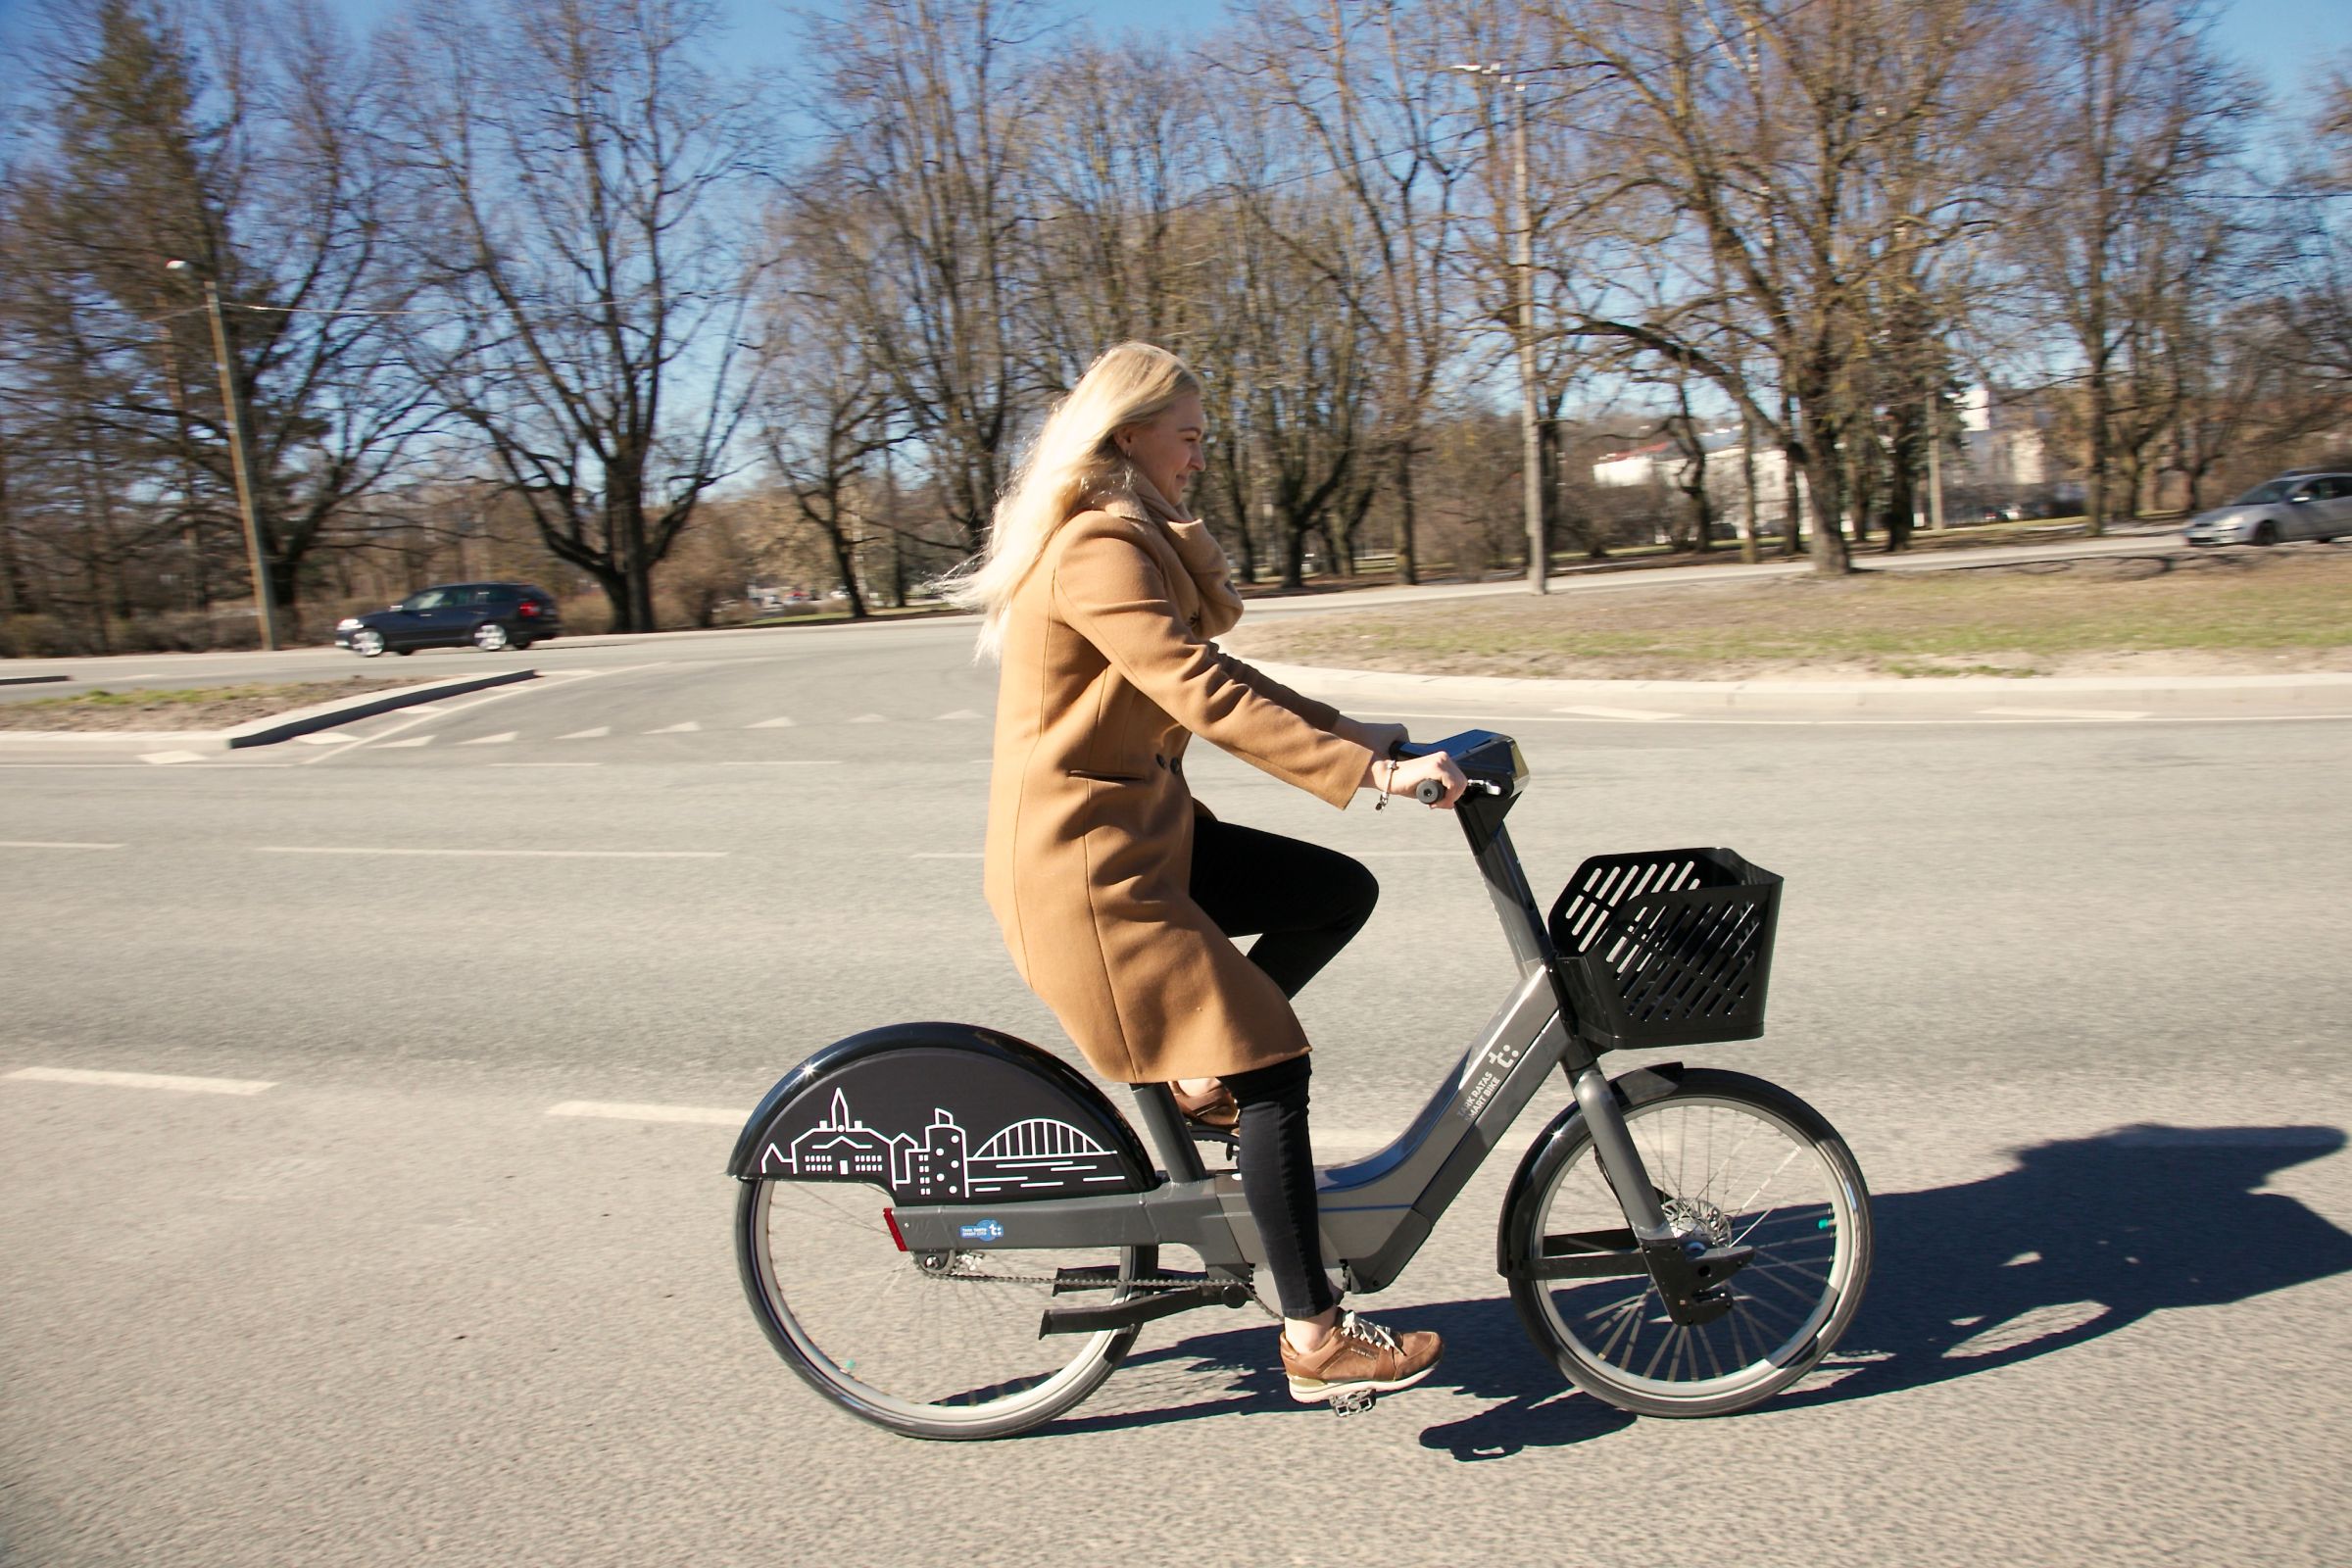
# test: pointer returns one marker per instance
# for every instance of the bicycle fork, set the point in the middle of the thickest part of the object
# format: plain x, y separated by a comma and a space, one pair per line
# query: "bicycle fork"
1689, 1271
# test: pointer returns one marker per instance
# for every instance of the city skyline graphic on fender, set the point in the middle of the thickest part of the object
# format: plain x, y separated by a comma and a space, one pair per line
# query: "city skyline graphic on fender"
1029, 1156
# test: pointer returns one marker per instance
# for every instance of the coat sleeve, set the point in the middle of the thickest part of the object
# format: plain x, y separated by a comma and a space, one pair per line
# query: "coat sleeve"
1110, 590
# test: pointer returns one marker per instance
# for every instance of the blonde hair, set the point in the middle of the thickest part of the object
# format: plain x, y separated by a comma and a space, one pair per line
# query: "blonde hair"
1075, 460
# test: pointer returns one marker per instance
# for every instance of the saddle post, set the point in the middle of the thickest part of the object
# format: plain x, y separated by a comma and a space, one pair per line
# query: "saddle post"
1163, 1125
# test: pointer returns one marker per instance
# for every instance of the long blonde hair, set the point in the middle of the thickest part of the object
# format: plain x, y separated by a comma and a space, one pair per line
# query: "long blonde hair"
1075, 460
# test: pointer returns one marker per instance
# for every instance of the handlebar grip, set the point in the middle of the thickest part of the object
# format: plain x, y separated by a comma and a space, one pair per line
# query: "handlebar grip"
1429, 791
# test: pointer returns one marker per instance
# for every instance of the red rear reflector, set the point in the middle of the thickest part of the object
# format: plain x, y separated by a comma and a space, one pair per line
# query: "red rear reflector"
892, 1220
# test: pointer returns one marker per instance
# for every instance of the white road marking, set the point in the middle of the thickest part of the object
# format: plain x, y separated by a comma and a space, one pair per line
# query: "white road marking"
539, 855
2061, 712
786, 761
143, 1080
1637, 715
547, 764
53, 844
170, 758
328, 737
961, 713
499, 739
1691, 719
414, 740
596, 734
945, 855
687, 728
614, 1110
771, 723
869, 718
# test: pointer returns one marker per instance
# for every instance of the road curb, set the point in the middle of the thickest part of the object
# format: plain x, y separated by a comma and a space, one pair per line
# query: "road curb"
264, 731
1935, 695
29, 680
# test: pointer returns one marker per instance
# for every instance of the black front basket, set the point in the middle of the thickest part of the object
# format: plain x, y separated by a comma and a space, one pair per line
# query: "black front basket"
1669, 948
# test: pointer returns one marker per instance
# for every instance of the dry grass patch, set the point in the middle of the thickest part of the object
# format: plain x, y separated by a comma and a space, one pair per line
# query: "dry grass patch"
189, 707
2235, 611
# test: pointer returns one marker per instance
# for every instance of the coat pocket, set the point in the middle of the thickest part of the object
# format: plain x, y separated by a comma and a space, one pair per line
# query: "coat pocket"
1103, 779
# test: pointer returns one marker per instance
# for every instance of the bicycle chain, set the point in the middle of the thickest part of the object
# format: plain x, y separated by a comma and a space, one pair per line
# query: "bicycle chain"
1177, 1284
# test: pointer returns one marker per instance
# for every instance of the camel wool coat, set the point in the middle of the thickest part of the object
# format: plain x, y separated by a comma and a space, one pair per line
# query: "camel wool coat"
1108, 671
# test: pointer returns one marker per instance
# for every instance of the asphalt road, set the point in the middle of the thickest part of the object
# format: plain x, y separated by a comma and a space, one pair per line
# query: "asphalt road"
2074, 991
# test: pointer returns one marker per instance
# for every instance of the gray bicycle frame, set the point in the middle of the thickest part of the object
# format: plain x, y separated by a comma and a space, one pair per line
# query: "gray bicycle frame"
1375, 1212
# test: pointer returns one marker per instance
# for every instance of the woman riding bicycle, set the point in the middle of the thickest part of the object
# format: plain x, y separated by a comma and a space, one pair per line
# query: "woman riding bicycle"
1117, 894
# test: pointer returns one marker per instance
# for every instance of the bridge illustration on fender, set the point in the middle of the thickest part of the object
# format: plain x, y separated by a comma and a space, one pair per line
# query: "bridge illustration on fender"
1037, 1152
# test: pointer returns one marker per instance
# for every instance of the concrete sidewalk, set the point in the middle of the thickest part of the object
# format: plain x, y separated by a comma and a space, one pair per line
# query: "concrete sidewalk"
2320, 694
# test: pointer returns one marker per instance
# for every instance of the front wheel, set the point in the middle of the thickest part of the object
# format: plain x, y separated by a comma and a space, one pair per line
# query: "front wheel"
929, 1345
1735, 1161
368, 642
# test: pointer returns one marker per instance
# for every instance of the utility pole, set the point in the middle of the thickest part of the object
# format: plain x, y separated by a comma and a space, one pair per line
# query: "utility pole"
1523, 263
1934, 467
265, 608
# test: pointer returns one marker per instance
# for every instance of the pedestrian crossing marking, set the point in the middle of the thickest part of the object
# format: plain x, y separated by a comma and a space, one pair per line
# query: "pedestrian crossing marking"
869, 718
771, 723
414, 740
687, 728
499, 739
596, 734
961, 713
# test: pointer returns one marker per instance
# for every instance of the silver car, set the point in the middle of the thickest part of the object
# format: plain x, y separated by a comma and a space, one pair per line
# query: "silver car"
2294, 505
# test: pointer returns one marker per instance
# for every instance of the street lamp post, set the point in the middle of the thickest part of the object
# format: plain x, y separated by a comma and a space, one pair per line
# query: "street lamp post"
265, 608
1523, 259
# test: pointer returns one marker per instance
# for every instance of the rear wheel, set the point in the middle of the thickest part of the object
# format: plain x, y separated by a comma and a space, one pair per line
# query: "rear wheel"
490, 637
929, 1345
1735, 1161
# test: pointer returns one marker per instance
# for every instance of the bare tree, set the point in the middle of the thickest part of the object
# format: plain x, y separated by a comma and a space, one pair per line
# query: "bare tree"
2142, 114
580, 207
924, 102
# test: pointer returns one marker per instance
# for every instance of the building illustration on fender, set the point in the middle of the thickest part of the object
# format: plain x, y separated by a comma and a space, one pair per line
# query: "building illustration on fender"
1036, 1154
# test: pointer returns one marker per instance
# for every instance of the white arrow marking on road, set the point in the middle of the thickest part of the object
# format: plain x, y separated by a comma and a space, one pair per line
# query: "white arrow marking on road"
771, 723
614, 1110
416, 740
687, 728
596, 734
145, 1080
2060, 713
499, 739
167, 758
1642, 715
52, 844
961, 713
869, 718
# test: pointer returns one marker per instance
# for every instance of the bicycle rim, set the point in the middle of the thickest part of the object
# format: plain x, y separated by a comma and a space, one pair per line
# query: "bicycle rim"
950, 1351
1734, 1167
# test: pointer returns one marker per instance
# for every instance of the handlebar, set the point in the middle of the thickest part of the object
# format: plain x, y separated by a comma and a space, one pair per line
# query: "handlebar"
1429, 792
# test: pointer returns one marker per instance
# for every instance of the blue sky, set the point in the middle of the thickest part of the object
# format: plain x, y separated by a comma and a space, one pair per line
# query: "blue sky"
2285, 41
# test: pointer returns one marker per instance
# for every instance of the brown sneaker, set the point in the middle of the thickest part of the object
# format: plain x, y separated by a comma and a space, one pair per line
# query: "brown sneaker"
1360, 1354
1215, 1109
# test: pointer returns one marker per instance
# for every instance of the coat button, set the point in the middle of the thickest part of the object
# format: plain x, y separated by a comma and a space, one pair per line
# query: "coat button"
1158, 760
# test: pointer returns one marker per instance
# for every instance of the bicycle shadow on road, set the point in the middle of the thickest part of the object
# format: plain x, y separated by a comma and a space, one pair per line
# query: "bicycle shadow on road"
2084, 1236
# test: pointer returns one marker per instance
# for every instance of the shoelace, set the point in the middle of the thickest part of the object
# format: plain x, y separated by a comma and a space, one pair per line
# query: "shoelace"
1367, 1332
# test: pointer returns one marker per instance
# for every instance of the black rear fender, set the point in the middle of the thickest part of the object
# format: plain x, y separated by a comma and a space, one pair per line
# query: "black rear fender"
941, 1113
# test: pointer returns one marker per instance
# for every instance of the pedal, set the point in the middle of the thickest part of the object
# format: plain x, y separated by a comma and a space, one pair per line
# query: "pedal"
1352, 1401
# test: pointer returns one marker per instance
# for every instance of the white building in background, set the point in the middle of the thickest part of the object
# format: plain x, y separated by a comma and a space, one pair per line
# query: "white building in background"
1658, 466
2005, 452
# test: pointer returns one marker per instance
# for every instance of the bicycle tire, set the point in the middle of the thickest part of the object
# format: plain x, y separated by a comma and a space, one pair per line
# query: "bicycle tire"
1812, 1234
869, 1327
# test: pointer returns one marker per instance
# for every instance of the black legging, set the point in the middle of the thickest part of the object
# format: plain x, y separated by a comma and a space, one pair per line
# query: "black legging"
1303, 902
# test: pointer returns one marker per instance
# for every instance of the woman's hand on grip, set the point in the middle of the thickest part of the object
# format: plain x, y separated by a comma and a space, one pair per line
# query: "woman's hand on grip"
1402, 778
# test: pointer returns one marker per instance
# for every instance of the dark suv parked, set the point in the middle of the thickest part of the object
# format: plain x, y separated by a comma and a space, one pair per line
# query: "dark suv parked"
491, 616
